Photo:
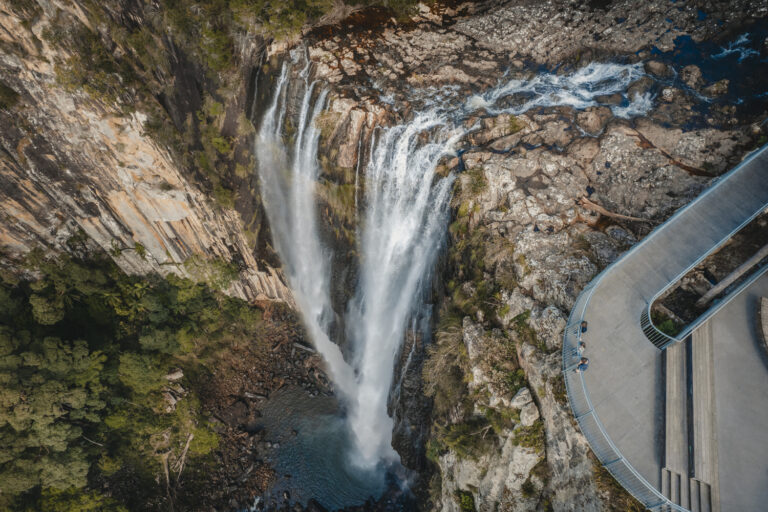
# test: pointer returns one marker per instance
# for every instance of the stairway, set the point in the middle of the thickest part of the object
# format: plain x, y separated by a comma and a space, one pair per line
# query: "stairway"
690, 474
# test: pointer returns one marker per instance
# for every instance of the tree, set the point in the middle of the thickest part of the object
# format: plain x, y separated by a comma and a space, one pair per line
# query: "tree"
46, 312
141, 373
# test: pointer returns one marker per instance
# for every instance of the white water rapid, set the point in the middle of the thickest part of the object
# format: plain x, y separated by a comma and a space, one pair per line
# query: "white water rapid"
402, 226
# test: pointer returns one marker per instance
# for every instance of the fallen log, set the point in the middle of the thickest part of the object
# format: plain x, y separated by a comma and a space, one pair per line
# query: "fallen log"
733, 276
589, 205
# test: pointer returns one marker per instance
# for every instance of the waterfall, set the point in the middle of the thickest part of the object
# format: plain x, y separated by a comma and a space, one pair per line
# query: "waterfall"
402, 225
403, 228
288, 183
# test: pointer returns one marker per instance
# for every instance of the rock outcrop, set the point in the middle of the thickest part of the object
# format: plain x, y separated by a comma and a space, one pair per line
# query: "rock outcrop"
71, 164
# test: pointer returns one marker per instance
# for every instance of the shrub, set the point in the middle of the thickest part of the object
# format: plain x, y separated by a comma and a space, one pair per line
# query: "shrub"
525, 333
140, 250
477, 181
558, 389
443, 370
665, 324
469, 439
528, 489
515, 380
466, 501
531, 437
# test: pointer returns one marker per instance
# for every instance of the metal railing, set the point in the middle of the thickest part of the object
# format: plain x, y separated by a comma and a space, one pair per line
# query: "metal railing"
578, 396
658, 338
661, 339
589, 423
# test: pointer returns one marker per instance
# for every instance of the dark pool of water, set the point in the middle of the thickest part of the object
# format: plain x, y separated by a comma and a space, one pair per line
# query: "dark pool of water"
741, 58
313, 457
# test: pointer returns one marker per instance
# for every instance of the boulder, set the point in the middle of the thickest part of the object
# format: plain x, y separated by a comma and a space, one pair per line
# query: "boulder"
718, 88
691, 75
521, 399
657, 68
175, 375
593, 119
529, 414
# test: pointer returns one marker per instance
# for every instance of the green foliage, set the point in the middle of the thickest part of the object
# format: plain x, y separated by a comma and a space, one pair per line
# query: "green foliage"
515, 380
617, 498
47, 311
531, 437
558, 389
528, 489
108, 465
443, 372
51, 390
468, 439
477, 181
515, 125
71, 500
224, 197
217, 274
502, 419
92, 66
463, 210
140, 250
665, 324
141, 373
8, 97
525, 333
204, 442
84, 351
466, 501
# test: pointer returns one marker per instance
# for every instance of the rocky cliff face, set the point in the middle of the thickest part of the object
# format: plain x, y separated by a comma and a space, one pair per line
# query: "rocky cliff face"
71, 164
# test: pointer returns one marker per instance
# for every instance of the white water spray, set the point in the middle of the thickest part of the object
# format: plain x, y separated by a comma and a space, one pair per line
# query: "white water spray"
288, 187
581, 89
402, 227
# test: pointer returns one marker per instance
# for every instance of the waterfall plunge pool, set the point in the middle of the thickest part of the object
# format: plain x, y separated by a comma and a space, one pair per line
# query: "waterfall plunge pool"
312, 460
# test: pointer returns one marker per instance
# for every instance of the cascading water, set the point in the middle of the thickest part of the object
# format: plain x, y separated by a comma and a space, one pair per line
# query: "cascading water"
288, 183
402, 226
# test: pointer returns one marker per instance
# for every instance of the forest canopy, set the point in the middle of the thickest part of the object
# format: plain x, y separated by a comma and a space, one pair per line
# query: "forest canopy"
97, 379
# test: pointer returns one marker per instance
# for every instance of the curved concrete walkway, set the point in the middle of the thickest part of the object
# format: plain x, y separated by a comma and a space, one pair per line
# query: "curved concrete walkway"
624, 381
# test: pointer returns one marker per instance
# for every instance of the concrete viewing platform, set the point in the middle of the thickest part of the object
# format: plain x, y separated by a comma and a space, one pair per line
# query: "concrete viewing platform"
686, 427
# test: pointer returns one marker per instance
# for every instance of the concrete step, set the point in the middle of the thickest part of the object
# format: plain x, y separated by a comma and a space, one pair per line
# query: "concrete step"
701, 496
695, 495
675, 487
705, 464
676, 410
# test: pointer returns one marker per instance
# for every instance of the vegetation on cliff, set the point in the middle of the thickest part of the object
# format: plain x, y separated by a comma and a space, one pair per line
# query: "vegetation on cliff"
182, 64
100, 382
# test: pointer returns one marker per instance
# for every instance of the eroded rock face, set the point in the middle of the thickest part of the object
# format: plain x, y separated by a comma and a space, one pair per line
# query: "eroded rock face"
498, 477
72, 165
